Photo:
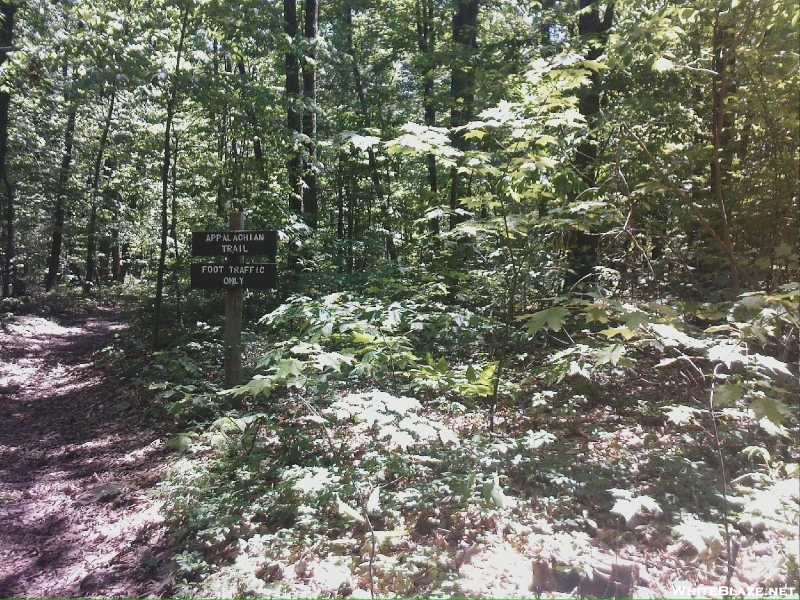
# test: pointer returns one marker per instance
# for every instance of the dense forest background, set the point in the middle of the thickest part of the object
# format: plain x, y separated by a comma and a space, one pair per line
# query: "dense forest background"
532, 141
509, 231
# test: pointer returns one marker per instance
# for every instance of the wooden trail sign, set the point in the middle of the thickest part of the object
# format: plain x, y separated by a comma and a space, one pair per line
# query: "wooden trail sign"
234, 277
235, 243
251, 276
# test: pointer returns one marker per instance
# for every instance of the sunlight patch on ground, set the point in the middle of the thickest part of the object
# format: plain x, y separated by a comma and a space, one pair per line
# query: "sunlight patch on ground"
140, 455
39, 326
496, 572
33, 375
15, 373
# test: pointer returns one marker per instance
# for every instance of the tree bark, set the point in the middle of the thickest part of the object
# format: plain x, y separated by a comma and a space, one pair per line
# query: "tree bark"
462, 89
426, 42
594, 31
721, 125
165, 171
173, 228
63, 184
340, 196
293, 119
219, 121
582, 245
258, 152
6, 39
116, 257
60, 208
374, 170
94, 188
310, 208
234, 298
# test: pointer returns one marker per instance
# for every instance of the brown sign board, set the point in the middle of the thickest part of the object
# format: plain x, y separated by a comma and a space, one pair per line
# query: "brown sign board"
254, 276
235, 243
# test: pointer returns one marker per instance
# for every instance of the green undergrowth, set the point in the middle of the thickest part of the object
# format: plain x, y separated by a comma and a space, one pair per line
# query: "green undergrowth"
402, 447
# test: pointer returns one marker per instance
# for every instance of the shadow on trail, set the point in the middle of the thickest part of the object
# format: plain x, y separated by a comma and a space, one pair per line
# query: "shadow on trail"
68, 428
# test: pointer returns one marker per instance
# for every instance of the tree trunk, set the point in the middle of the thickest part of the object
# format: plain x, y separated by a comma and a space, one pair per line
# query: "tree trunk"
582, 245
721, 124
293, 120
91, 234
103, 260
350, 230
116, 257
232, 338
426, 42
594, 31
310, 208
462, 88
219, 121
546, 24
258, 152
63, 184
6, 39
374, 171
339, 198
165, 171
173, 228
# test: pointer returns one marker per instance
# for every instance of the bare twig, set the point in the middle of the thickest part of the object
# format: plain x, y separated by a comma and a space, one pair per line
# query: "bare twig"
322, 423
731, 557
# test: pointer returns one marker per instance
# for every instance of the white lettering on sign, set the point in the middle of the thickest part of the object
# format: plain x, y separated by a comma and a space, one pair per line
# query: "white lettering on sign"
247, 269
213, 268
234, 249
233, 281
213, 237
247, 237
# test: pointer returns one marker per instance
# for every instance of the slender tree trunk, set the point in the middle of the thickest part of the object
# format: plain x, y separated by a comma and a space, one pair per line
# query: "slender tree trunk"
582, 245
61, 193
462, 88
116, 256
339, 198
426, 42
165, 171
258, 152
94, 188
594, 31
9, 273
374, 170
293, 120
103, 261
721, 125
310, 208
220, 122
350, 229
124, 263
7, 10
173, 228
236, 182
546, 24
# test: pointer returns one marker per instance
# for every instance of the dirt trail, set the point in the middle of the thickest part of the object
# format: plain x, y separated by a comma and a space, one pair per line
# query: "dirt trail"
75, 518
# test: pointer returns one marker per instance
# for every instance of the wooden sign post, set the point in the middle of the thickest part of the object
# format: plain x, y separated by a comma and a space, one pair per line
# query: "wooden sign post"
234, 277
233, 317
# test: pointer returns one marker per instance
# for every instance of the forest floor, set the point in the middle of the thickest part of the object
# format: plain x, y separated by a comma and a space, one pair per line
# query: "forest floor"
586, 491
76, 462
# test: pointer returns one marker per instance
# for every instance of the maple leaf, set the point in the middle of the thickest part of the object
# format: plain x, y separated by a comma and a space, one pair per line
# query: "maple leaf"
595, 313
622, 331
552, 318
610, 354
